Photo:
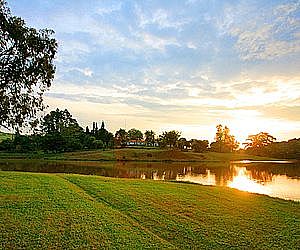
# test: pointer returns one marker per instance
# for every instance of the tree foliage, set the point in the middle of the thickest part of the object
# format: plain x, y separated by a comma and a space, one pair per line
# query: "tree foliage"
259, 140
102, 135
121, 137
224, 141
134, 134
169, 139
149, 137
62, 132
199, 146
26, 68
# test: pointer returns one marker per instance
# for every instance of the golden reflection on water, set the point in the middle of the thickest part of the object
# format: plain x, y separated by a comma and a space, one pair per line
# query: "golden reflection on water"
205, 179
155, 176
250, 180
243, 181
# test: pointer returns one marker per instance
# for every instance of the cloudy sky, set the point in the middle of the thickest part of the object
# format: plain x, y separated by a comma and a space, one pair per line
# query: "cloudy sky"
184, 65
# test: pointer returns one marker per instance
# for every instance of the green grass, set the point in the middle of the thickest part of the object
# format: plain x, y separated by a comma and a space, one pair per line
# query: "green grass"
5, 136
73, 211
129, 154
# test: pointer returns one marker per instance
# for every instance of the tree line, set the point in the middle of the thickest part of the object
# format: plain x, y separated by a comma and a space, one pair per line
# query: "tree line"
60, 132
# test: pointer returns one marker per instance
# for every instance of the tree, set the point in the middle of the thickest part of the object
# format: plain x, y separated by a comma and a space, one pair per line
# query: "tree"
57, 121
149, 137
135, 134
62, 131
26, 69
183, 144
199, 146
169, 139
121, 137
224, 141
259, 140
103, 135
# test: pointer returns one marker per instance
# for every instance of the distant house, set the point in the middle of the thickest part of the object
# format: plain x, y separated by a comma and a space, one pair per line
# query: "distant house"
136, 143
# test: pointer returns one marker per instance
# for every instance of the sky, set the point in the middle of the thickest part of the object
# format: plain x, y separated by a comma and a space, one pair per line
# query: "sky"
183, 65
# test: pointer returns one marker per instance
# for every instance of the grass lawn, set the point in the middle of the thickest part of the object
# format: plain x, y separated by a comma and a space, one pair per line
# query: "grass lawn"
74, 211
130, 154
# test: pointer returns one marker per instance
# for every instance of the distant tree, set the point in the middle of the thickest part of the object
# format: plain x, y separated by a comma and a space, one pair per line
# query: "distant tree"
259, 140
183, 144
98, 144
169, 139
121, 137
22, 143
26, 69
200, 146
102, 125
104, 135
220, 133
7, 145
95, 128
62, 132
57, 120
224, 141
134, 134
149, 137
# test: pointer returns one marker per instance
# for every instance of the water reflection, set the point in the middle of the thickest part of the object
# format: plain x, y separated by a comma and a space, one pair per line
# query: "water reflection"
205, 179
243, 180
275, 179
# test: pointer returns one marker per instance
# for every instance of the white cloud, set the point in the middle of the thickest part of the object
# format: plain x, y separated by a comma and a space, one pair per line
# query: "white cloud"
191, 45
155, 42
161, 18
271, 34
86, 72
109, 9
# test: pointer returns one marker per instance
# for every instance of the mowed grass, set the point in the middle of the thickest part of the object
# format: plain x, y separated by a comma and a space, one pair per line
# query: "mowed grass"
134, 154
131, 154
74, 211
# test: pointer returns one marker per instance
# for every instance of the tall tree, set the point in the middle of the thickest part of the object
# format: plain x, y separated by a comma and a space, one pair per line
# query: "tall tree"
169, 139
105, 136
26, 69
62, 131
149, 137
224, 141
121, 137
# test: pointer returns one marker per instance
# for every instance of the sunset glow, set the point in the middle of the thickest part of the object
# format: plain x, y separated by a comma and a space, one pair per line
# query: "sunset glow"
244, 182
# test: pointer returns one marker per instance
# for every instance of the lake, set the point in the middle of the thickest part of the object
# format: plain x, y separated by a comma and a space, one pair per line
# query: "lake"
274, 178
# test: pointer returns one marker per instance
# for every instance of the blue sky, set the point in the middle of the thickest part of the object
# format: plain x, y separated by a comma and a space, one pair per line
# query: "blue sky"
184, 65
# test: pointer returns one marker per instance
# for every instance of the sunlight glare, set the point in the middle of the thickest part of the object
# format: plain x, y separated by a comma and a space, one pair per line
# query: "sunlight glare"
242, 181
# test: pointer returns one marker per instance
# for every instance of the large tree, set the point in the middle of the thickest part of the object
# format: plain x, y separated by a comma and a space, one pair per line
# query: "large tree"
121, 137
259, 140
135, 134
199, 146
169, 139
26, 68
224, 141
149, 137
62, 132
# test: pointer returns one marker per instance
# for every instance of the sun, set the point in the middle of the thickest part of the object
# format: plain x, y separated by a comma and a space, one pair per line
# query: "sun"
248, 122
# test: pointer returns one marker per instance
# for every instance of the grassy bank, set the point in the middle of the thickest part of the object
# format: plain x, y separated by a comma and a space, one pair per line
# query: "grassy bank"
73, 211
129, 154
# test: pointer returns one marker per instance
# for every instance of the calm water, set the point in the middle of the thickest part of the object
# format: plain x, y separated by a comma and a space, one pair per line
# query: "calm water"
277, 179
